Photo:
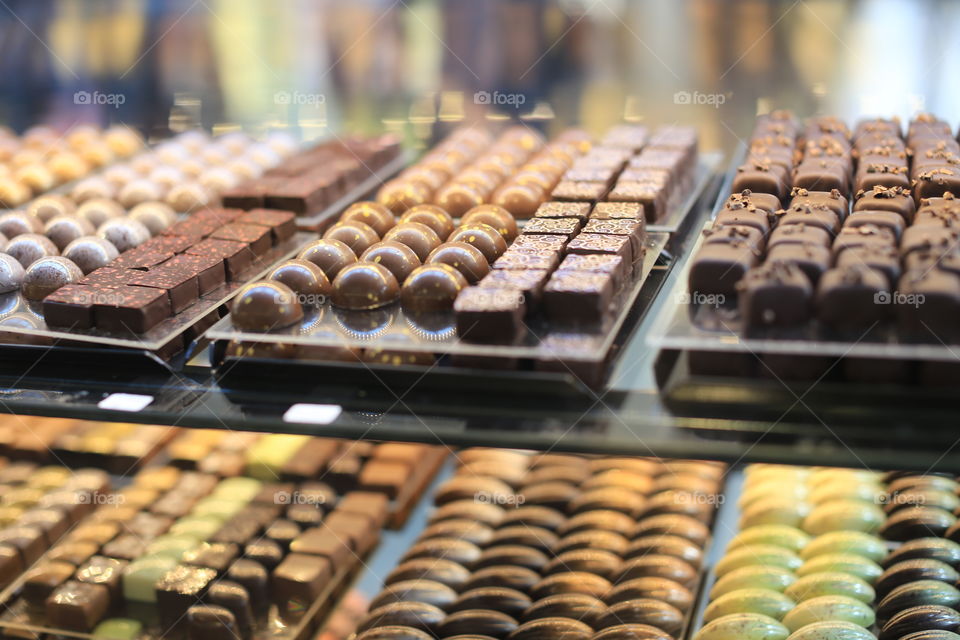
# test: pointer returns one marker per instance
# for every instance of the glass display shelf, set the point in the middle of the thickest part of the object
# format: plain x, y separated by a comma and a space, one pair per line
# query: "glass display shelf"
632, 416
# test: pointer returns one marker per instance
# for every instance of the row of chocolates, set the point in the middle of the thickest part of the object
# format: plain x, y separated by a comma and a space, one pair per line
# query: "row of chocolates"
43, 158
527, 546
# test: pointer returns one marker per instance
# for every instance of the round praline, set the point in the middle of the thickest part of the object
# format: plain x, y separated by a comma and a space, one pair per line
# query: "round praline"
463, 257
139, 190
27, 248
356, 235
47, 275
330, 255
399, 195
373, 214
51, 206
419, 237
495, 216
155, 216
482, 236
365, 285
90, 253
124, 233
90, 188
519, 199
262, 306
432, 287
186, 197
395, 256
15, 223
63, 230
456, 199
306, 279
11, 273
98, 211
432, 216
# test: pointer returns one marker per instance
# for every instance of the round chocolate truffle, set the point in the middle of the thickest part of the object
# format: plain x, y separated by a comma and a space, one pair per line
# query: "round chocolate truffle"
15, 223
187, 197
306, 279
365, 285
46, 275
432, 287
482, 236
373, 214
3, 242
63, 230
90, 188
13, 193
399, 195
27, 248
90, 253
463, 257
218, 179
98, 211
123, 233
356, 235
11, 273
262, 306
330, 255
166, 176
495, 216
456, 199
432, 216
120, 174
398, 258
139, 190
419, 237
519, 199
155, 216
51, 206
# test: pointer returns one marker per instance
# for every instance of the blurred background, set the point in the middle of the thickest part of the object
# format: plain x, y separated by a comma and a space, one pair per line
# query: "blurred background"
418, 66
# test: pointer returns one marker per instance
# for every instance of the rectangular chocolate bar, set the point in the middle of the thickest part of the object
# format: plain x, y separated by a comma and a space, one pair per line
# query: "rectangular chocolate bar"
529, 281
614, 266
302, 195
578, 297
69, 306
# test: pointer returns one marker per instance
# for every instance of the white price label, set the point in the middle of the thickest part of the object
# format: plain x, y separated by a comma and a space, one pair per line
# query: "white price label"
312, 413
125, 402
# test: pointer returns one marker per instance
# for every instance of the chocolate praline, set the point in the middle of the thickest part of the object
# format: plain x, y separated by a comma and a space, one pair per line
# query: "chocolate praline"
123, 233
11, 273
63, 230
399, 195
373, 214
98, 211
419, 237
356, 235
432, 287
495, 216
50, 206
90, 253
457, 199
330, 255
482, 236
432, 216
15, 223
30, 247
519, 199
47, 275
463, 257
365, 285
155, 216
140, 190
306, 279
262, 306
397, 257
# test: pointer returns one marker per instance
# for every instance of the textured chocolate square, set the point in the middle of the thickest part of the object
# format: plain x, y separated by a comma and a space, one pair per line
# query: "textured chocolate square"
579, 210
651, 195
578, 297
236, 256
140, 259
539, 242
486, 314
579, 191
282, 223
193, 226
529, 281
552, 226
613, 266
257, 237
69, 306
528, 259
169, 244
617, 211
631, 228
180, 285
136, 309
209, 270
587, 243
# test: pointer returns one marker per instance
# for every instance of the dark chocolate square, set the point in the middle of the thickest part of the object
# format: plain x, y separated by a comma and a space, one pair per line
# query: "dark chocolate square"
169, 243
618, 211
179, 283
579, 210
527, 259
69, 306
136, 309
486, 314
588, 243
208, 269
108, 277
651, 195
299, 580
282, 223
528, 281
77, 606
140, 259
631, 228
552, 226
613, 266
257, 237
237, 256
775, 295
538, 242
717, 267
579, 191
578, 297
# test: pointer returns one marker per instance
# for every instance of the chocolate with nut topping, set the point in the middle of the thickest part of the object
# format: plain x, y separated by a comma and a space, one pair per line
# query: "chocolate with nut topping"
129, 308
257, 237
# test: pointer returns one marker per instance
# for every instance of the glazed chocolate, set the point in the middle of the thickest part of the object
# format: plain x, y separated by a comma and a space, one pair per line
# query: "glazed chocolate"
486, 314
77, 606
578, 297
299, 580
236, 256
431, 216
463, 257
262, 306
304, 278
483, 237
365, 285
419, 237
330, 255
373, 214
